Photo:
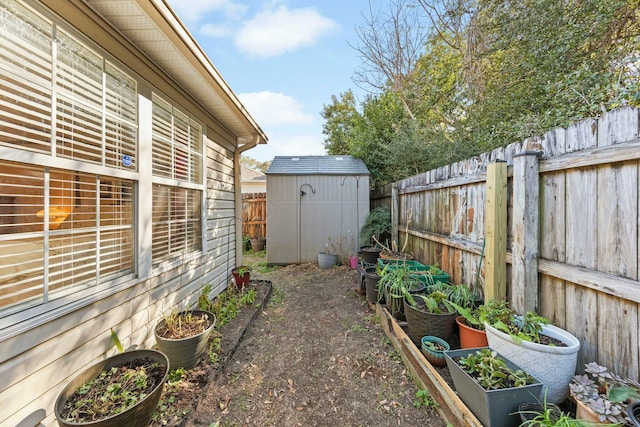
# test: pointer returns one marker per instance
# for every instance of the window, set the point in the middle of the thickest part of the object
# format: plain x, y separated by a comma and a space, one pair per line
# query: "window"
177, 188
62, 231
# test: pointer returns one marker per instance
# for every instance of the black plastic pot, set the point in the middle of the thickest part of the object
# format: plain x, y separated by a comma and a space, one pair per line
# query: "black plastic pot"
369, 254
185, 352
371, 280
138, 415
633, 410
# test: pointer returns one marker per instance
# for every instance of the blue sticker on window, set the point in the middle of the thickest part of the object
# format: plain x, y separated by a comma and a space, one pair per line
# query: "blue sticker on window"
126, 160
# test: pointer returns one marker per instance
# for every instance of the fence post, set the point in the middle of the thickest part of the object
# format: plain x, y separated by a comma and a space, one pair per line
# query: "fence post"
395, 201
496, 232
525, 244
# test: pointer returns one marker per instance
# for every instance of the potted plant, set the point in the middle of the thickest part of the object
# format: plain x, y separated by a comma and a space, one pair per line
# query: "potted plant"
395, 283
603, 396
544, 414
429, 315
121, 390
491, 386
530, 341
471, 326
376, 225
433, 349
183, 336
241, 275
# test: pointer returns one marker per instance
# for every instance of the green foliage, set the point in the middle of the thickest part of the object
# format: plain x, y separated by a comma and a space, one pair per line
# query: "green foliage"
116, 341
424, 399
376, 223
492, 372
255, 164
492, 73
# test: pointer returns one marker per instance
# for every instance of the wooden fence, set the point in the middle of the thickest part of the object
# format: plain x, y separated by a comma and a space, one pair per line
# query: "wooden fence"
254, 215
562, 223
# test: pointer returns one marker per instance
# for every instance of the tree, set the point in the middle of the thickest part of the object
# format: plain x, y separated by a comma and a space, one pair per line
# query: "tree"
340, 118
254, 164
391, 41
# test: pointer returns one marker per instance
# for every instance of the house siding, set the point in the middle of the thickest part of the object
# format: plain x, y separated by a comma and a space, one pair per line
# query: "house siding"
40, 355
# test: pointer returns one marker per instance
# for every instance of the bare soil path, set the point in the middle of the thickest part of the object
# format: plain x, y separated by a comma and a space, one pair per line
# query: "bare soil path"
316, 356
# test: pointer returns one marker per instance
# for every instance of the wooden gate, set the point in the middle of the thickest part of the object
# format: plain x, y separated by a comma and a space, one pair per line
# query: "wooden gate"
254, 215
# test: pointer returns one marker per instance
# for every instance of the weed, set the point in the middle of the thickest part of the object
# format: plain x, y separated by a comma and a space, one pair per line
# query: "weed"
214, 349
177, 375
423, 398
358, 328
277, 297
248, 297
262, 267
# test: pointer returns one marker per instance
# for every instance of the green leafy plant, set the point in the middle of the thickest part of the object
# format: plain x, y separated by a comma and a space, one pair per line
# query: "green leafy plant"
527, 327
436, 302
377, 223
423, 398
548, 415
116, 341
491, 371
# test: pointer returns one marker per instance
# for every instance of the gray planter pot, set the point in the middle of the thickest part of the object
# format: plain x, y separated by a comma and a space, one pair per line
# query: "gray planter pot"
494, 408
327, 260
553, 365
185, 352
138, 415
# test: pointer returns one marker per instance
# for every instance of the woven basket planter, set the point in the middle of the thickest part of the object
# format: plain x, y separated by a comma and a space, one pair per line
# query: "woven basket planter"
420, 323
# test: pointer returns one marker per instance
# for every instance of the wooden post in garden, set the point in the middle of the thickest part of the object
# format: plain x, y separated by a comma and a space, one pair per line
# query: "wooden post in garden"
526, 232
496, 232
395, 201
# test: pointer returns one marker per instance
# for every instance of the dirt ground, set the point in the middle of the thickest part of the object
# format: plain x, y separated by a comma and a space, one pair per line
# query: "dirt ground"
315, 356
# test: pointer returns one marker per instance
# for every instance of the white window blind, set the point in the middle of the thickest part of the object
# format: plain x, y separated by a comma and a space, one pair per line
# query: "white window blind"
25, 86
177, 155
61, 231
177, 144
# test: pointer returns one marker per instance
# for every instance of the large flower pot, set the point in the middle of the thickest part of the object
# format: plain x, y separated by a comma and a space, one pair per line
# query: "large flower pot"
470, 337
421, 323
327, 260
553, 365
371, 279
185, 352
370, 254
494, 408
138, 415
257, 243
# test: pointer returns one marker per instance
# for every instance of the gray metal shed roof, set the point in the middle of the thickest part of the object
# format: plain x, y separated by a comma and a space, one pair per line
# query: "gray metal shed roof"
317, 165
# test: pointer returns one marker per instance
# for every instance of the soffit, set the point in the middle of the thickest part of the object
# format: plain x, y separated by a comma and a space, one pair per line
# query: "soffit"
157, 32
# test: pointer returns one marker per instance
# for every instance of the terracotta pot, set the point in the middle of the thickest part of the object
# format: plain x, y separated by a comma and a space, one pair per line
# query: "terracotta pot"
583, 412
470, 337
257, 243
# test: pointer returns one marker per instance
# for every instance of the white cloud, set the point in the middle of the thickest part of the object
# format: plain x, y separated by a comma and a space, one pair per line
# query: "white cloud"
283, 144
194, 10
273, 109
216, 31
274, 32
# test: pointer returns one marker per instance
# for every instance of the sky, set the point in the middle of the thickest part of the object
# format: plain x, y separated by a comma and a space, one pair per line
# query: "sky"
284, 59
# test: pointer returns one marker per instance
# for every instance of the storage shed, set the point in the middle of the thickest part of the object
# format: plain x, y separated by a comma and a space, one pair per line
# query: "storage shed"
314, 202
